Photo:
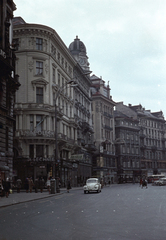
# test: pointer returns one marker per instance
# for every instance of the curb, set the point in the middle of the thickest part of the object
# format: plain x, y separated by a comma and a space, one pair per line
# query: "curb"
30, 200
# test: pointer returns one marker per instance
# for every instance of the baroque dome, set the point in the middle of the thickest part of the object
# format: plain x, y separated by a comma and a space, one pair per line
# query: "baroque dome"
77, 47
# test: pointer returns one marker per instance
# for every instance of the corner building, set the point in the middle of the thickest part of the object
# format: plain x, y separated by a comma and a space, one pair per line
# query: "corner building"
45, 66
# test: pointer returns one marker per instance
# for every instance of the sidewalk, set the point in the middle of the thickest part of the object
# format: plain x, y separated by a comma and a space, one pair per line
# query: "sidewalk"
16, 198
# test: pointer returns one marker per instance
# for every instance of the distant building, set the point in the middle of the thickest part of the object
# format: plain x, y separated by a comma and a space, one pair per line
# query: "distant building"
152, 140
140, 142
8, 86
127, 143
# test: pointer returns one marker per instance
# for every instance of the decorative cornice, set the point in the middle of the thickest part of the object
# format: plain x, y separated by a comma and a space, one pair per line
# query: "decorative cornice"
39, 81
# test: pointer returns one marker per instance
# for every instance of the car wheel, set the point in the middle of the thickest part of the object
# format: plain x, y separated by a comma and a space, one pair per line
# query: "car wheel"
84, 192
98, 190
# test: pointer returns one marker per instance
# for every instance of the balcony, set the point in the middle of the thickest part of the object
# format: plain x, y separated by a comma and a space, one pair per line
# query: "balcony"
142, 135
107, 127
70, 141
90, 147
154, 148
62, 139
142, 147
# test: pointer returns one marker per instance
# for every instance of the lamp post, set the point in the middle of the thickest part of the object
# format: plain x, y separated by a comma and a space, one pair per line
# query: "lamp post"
56, 133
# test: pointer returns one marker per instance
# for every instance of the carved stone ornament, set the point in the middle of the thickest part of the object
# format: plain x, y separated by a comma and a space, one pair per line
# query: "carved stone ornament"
46, 68
30, 65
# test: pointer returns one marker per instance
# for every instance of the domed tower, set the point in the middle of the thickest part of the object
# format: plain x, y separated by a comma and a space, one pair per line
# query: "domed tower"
78, 50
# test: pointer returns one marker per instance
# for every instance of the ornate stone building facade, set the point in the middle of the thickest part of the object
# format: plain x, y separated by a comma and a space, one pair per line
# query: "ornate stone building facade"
152, 140
8, 86
82, 111
104, 159
47, 72
141, 142
127, 132
45, 67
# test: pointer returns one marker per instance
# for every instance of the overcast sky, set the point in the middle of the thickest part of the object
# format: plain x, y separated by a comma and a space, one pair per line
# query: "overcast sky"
125, 42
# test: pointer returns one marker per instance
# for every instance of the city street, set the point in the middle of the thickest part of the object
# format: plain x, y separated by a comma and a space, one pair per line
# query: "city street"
119, 212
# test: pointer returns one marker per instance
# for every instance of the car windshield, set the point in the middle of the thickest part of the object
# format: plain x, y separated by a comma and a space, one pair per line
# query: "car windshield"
91, 181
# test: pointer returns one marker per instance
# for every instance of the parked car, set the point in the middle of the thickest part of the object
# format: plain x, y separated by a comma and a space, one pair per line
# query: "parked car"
160, 182
92, 185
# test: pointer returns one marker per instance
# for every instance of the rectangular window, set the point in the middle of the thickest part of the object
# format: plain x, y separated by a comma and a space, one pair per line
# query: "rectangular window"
39, 44
31, 122
31, 151
39, 68
58, 79
47, 152
39, 123
53, 99
53, 75
39, 150
66, 109
39, 95
7, 138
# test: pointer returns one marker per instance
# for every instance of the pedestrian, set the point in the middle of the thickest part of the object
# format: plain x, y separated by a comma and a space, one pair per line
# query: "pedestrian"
48, 184
68, 185
59, 183
7, 187
27, 185
41, 184
36, 184
140, 183
18, 184
30, 184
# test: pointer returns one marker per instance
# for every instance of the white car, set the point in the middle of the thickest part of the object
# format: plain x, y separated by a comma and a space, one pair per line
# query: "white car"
160, 182
92, 185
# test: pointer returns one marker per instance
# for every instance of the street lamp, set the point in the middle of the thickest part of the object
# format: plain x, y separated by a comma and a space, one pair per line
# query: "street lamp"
56, 132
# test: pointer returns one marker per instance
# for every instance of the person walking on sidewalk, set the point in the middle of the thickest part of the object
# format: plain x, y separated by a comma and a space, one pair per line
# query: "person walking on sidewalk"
18, 183
41, 184
27, 185
68, 185
48, 184
30, 184
6, 187
36, 184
